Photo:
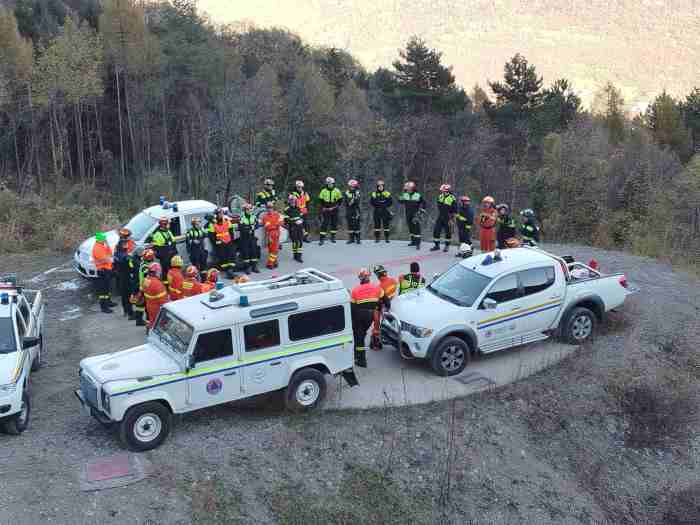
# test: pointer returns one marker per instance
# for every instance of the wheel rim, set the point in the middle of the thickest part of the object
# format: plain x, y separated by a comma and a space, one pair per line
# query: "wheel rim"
582, 327
147, 427
23, 413
452, 358
308, 392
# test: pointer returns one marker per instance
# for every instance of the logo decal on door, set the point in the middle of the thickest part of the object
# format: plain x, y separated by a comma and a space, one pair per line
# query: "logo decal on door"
215, 386
259, 375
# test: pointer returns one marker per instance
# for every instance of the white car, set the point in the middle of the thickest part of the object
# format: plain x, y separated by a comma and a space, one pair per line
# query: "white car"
21, 344
145, 223
241, 341
488, 303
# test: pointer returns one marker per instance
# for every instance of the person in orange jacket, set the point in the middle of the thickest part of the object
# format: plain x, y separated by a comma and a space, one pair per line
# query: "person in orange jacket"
365, 299
390, 287
191, 285
212, 279
103, 257
154, 292
272, 222
487, 224
175, 278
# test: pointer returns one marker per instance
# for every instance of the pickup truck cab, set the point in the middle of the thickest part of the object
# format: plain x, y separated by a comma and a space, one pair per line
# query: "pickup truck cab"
226, 345
499, 300
144, 224
21, 344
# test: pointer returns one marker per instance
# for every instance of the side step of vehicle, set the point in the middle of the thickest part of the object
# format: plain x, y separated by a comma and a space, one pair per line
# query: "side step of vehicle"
350, 377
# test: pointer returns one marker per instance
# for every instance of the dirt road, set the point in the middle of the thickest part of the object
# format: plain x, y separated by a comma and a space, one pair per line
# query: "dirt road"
554, 448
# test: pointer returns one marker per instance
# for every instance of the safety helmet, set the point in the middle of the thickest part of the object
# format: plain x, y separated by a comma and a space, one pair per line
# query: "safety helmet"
213, 275
465, 250
176, 261
269, 182
379, 270
163, 221
196, 220
527, 212
100, 237
155, 268
445, 188
353, 183
191, 271
299, 184
329, 181
149, 255
489, 200
503, 207
292, 200
363, 275
409, 186
465, 198
125, 233
241, 279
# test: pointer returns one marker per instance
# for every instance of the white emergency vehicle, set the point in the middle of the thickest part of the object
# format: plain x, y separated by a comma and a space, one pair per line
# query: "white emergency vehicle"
499, 300
21, 344
229, 344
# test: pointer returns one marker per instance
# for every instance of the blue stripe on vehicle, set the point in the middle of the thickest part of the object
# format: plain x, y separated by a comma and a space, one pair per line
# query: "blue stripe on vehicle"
519, 316
244, 365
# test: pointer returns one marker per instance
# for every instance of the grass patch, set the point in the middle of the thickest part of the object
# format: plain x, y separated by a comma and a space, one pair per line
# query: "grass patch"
683, 507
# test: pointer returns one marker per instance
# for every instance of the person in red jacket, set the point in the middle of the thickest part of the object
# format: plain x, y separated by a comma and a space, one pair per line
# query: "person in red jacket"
175, 278
191, 285
390, 287
487, 224
272, 222
365, 299
154, 292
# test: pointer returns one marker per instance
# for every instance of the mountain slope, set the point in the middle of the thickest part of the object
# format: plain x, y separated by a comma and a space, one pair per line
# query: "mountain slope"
643, 46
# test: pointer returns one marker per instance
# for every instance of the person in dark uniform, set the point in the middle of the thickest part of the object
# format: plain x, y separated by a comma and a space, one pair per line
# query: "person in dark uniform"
248, 242
352, 211
194, 241
268, 194
294, 220
507, 231
414, 204
529, 230
381, 201
464, 218
447, 206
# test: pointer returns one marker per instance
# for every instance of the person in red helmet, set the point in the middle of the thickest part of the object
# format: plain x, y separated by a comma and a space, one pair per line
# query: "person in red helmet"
191, 285
366, 298
390, 287
381, 201
154, 292
352, 211
272, 222
447, 206
464, 218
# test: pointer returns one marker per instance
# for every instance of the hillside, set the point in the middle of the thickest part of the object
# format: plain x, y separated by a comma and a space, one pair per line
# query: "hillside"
643, 46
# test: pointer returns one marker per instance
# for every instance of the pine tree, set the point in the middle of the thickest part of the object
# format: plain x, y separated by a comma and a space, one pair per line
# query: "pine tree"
608, 105
691, 116
665, 121
521, 85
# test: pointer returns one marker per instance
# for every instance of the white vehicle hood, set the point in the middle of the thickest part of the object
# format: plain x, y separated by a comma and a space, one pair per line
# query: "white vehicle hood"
85, 248
8, 367
425, 309
140, 361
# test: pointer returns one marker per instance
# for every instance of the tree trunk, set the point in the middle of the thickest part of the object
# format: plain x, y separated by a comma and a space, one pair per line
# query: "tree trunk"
79, 146
165, 134
137, 156
121, 131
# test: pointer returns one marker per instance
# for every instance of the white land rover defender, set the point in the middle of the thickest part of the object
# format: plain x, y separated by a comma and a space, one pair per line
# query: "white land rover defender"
229, 344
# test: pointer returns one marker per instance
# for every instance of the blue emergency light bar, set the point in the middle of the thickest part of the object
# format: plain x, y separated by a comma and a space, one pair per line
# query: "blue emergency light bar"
5, 298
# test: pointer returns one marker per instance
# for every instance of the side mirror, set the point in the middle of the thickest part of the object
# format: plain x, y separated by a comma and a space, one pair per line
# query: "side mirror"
490, 304
29, 342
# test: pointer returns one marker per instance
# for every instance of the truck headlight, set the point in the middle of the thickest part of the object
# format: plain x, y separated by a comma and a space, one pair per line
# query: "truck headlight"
416, 331
105, 401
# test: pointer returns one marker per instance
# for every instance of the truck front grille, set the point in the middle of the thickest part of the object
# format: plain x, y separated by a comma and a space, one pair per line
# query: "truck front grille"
89, 390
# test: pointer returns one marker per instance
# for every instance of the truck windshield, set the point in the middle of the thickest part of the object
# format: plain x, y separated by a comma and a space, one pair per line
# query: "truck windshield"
173, 332
140, 225
7, 336
459, 285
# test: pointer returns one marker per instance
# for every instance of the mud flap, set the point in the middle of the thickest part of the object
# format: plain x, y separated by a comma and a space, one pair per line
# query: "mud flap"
350, 377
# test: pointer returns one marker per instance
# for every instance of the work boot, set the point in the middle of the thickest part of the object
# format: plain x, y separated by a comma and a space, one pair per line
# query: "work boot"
333, 238
386, 237
357, 239
111, 303
418, 244
230, 273
300, 259
361, 360
139, 320
376, 238
104, 307
412, 243
306, 239
247, 269
254, 268
321, 241
446, 248
436, 247
132, 316
351, 239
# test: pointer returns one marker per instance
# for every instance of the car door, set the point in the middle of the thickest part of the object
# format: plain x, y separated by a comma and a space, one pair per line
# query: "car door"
216, 376
500, 327
178, 230
541, 301
264, 368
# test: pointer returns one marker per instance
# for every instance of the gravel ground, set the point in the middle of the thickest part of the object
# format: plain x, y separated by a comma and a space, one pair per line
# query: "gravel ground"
559, 447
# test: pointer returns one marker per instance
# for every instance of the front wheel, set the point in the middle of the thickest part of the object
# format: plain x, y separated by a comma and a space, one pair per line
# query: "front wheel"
579, 326
145, 426
306, 390
18, 423
450, 357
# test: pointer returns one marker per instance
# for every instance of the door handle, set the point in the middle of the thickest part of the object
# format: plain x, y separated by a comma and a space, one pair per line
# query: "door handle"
554, 296
276, 363
231, 373
515, 308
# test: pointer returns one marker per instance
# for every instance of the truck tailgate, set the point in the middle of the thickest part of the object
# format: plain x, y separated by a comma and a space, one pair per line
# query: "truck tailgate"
608, 287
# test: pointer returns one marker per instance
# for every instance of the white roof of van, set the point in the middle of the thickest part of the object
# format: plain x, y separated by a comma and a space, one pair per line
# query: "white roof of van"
511, 259
191, 206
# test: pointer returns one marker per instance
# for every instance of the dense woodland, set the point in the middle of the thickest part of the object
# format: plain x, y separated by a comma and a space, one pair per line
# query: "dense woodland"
104, 105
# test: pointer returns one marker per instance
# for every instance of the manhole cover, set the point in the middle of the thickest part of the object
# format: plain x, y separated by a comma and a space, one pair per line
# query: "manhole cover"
108, 468
113, 471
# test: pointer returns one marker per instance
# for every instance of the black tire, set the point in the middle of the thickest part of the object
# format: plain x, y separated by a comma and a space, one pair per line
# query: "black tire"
136, 430
450, 357
36, 364
306, 390
579, 326
18, 423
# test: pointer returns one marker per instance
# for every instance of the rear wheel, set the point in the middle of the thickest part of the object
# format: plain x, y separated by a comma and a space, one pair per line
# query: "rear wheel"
579, 326
306, 390
450, 357
18, 423
145, 426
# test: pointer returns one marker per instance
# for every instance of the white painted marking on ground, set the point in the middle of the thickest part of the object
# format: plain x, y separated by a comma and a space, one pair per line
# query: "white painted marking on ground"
71, 314
68, 285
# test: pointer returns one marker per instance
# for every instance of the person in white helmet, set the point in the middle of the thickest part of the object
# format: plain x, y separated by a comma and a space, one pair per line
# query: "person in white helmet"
330, 200
447, 206
352, 211
381, 201
302, 199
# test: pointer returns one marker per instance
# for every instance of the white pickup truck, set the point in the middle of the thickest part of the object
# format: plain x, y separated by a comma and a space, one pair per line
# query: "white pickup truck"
499, 300
21, 344
230, 344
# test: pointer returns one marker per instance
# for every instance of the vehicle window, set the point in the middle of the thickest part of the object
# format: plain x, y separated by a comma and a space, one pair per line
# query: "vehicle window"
537, 279
21, 327
460, 285
213, 345
262, 335
505, 289
172, 331
7, 336
308, 325
24, 309
175, 226
140, 225
188, 220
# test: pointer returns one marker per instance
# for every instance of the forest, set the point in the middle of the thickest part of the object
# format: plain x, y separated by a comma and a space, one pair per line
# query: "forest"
105, 105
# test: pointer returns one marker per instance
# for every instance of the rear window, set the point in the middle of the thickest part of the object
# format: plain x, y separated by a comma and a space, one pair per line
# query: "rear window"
537, 279
316, 323
7, 336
